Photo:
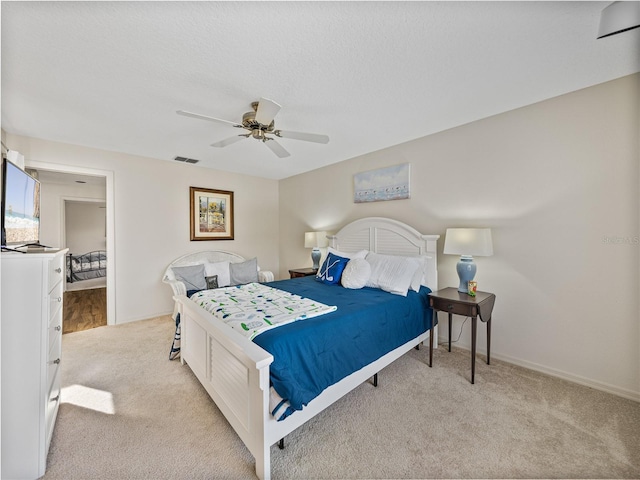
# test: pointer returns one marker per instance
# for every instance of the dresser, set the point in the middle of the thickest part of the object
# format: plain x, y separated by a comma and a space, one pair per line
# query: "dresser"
32, 291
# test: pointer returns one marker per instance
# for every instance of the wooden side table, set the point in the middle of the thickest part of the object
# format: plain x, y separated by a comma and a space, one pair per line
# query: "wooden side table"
452, 301
302, 272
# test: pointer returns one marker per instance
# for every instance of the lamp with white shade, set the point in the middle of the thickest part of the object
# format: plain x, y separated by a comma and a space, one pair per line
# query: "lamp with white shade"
467, 242
315, 241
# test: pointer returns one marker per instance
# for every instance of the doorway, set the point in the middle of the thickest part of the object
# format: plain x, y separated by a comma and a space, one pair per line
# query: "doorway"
80, 177
85, 233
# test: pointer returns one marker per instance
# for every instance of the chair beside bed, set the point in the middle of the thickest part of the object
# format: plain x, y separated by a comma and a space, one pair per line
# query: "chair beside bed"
235, 371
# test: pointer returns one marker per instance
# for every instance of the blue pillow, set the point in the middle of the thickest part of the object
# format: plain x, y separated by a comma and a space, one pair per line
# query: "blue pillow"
331, 269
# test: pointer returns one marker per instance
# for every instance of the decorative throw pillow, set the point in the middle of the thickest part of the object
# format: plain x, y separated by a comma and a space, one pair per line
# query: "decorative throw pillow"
356, 273
391, 273
331, 269
192, 276
221, 269
212, 282
244, 272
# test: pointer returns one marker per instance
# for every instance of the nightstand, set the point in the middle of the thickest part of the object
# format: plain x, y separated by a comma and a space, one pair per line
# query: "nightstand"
302, 272
452, 301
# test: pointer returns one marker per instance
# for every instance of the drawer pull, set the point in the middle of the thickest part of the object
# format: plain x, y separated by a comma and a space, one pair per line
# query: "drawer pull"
59, 299
56, 361
58, 270
449, 307
56, 398
58, 328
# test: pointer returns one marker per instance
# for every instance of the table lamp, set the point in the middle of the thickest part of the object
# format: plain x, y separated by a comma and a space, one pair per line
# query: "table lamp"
315, 240
467, 242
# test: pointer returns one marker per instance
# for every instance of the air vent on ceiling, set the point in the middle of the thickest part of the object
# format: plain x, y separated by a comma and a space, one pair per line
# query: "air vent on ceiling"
186, 160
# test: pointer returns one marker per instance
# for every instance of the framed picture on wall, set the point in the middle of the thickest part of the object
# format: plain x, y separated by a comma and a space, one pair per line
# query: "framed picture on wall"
389, 183
211, 214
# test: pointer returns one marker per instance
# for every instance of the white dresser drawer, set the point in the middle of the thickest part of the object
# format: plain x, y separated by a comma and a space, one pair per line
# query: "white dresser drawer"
55, 329
51, 411
55, 301
53, 362
56, 270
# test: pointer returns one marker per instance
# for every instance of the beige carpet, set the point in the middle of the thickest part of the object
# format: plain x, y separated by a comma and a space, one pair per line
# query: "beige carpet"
127, 412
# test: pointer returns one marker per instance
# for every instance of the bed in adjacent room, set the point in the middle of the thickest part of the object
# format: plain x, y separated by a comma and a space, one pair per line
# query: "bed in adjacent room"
86, 266
306, 342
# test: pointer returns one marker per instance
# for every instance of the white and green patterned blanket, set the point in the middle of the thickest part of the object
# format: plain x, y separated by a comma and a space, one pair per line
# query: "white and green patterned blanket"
254, 308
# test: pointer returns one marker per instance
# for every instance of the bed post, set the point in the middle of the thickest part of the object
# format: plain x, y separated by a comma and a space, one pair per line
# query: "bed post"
259, 417
431, 251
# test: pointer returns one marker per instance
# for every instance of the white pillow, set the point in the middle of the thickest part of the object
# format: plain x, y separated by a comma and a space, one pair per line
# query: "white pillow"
350, 255
418, 277
391, 273
356, 273
221, 269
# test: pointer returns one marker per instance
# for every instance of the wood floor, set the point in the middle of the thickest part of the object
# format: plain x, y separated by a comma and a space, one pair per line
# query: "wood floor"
84, 309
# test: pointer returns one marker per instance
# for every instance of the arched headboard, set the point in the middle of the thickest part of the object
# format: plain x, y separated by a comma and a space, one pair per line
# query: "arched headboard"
389, 237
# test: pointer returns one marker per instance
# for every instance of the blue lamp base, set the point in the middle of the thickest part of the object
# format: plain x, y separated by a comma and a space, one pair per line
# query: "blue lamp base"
466, 269
315, 256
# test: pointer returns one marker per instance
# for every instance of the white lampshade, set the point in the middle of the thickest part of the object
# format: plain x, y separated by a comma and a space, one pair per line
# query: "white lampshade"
315, 239
468, 241
619, 17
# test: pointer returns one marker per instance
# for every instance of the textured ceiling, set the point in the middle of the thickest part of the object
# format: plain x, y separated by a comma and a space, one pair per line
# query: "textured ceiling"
111, 75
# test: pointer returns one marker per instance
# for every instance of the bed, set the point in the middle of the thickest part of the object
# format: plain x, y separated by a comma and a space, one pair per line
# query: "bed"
237, 372
86, 266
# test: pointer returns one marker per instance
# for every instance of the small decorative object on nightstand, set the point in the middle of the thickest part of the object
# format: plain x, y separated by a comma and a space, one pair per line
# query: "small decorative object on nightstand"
452, 301
315, 240
302, 272
467, 242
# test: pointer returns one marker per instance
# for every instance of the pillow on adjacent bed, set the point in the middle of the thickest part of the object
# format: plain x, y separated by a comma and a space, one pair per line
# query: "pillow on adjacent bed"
192, 276
221, 269
391, 273
356, 273
331, 270
243, 272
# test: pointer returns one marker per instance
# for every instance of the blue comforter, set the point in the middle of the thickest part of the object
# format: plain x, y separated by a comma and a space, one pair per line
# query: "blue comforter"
311, 355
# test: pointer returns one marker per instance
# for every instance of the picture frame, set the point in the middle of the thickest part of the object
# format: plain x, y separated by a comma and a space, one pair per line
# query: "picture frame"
382, 184
211, 214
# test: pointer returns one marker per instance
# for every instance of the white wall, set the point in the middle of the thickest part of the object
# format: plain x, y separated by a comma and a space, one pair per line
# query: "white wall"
85, 227
152, 217
556, 181
52, 197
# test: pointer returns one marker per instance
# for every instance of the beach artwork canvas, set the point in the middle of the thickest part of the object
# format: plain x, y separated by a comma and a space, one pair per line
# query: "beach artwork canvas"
389, 183
211, 213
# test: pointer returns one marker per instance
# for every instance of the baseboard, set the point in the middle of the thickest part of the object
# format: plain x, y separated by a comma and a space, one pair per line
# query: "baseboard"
587, 382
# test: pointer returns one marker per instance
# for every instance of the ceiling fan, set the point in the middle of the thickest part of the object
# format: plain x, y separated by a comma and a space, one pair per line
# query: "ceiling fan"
260, 125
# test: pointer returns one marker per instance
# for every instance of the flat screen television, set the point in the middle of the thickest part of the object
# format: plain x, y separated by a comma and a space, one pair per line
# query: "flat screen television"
20, 207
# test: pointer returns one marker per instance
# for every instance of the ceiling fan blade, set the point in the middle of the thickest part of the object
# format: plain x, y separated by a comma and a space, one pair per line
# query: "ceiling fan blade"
307, 137
276, 148
267, 109
206, 117
230, 141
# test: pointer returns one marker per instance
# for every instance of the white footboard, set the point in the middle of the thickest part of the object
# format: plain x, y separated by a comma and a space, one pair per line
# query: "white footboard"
235, 373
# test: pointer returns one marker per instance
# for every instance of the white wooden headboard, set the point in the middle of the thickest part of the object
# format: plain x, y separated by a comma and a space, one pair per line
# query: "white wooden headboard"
389, 237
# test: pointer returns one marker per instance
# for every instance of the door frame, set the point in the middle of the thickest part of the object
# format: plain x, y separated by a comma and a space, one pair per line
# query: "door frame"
110, 203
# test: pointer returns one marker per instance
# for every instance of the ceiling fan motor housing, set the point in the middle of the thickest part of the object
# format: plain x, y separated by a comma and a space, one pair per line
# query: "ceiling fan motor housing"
257, 129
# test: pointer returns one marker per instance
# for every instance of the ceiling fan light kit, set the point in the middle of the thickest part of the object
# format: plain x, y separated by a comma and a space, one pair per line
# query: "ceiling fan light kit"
260, 124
